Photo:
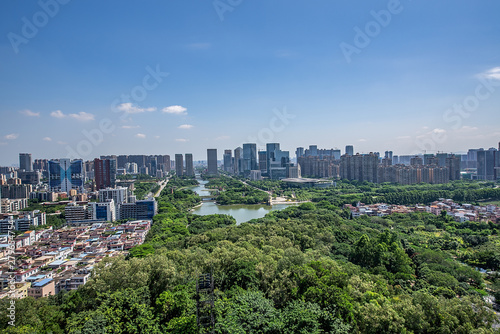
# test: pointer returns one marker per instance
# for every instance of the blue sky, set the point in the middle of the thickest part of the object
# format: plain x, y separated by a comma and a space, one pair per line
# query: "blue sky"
234, 68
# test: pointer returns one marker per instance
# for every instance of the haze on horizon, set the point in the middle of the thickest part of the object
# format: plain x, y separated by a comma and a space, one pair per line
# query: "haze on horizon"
167, 77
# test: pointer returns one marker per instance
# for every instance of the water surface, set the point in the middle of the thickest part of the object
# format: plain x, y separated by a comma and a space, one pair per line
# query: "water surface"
241, 212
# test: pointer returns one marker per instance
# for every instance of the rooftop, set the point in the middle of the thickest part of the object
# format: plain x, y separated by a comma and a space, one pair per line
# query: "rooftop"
42, 283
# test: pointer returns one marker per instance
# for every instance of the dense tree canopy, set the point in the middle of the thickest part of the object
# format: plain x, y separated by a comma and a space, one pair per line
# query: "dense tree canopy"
232, 191
305, 269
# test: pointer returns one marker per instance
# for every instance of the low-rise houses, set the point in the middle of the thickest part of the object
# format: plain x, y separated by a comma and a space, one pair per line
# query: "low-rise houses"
50, 261
42, 288
460, 213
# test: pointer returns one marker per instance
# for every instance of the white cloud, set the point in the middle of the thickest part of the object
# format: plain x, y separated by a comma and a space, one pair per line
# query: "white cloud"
130, 126
47, 139
29, 113
3, 143
157, 137
57, 114
81, 116
129, 108
182, 140
467, 128
185, 126
222, 138
493, 73
11, 136
403, 137
60, 142
432, 132
175, 110
362, 140
140, 135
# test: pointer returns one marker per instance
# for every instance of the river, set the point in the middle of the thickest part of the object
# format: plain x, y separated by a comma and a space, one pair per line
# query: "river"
241, 212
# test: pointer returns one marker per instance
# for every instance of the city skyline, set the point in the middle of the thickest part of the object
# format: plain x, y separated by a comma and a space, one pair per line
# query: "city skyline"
145, 80
220, 153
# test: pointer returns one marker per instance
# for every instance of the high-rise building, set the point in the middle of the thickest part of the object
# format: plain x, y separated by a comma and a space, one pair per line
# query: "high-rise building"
33, 177
103, 211
14, 181
263, 162
249, 158
337, 154
441, 159
25, 162
41, 165
118, 195
14, 191
349, 150
430, 159
361, 167
228, 161
472, 158
313, 150
144, 170
164, 163
145, 209
179, 165
121, 160
453, 162
152, 164
294, 172
299, 152
212, 161
416, 161
140, 160
74, 212
277, 161
65, 175
189, 165
486, 164
238, 160
104, 173
497, 164
318, 167
272, 150
131, 168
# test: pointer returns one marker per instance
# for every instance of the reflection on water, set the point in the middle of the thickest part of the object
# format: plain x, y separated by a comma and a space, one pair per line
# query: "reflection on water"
242, 213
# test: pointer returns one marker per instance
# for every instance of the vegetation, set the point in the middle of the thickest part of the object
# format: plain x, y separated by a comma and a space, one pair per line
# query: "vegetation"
282, 189
141, 189
52, 218
232, 191
139, 177
353, 191
182, 181
305, 269
33, 205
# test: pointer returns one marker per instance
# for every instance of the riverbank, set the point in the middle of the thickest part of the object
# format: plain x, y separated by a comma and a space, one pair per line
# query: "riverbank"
196, 206
241, 212
284, 200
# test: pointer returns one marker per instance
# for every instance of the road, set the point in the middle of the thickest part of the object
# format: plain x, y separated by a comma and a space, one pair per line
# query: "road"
162, 184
